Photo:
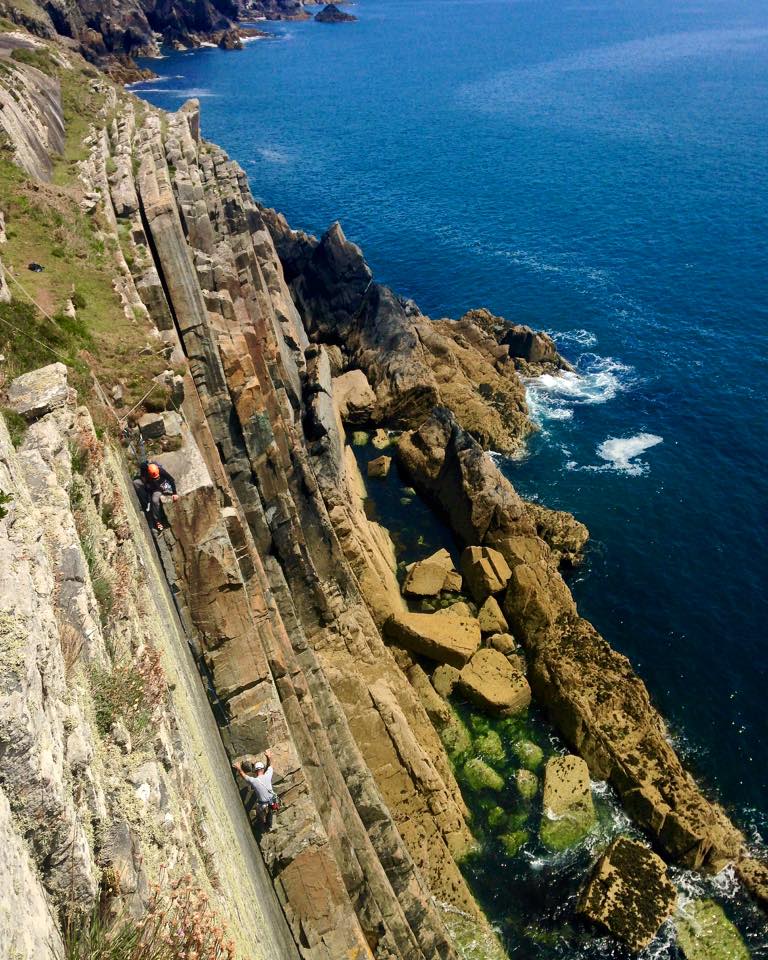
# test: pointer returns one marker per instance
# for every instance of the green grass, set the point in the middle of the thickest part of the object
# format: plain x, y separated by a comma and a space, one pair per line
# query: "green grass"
5, 499
17, 425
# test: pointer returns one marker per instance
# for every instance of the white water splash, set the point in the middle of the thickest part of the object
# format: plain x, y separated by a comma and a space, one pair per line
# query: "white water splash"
597, 380
622, 452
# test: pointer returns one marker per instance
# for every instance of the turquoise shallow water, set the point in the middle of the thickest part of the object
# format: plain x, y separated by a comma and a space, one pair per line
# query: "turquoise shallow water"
596, 168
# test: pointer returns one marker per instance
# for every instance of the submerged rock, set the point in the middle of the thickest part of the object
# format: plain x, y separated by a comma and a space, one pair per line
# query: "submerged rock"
705, 933
514, 841
529, 754
490, 681
491, 747
629, 893
527, 784
480, 776
568, 809
445, 636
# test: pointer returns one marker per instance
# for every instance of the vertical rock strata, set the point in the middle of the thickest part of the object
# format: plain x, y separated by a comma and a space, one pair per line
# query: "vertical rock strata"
269, 551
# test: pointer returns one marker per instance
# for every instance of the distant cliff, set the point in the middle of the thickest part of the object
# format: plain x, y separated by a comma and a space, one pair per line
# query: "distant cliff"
112, 35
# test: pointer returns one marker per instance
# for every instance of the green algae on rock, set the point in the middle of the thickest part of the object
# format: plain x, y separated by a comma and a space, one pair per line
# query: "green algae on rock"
491, 747
527, 784
480, 776
529, 754
569, 813
705, 933
514, 841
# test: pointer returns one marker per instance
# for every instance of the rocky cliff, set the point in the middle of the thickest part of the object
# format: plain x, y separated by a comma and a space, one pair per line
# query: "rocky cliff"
270, 611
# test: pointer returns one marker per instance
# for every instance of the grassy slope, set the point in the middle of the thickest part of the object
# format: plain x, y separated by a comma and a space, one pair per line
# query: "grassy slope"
45, 223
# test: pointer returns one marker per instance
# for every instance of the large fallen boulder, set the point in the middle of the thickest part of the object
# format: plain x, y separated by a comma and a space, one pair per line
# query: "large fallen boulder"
38, 392
427, 578
491, 619
568, 809
490, 681
629, 893
354, 396
485, 571
446, 636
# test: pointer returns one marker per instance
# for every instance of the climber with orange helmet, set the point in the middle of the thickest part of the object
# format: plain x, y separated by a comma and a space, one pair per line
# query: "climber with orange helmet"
153, 483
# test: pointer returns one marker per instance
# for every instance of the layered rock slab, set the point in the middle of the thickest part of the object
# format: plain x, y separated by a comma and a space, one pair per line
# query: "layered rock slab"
444, 636
629, 893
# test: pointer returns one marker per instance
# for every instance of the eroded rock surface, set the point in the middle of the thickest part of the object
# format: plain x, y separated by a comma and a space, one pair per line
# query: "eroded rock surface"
629, 893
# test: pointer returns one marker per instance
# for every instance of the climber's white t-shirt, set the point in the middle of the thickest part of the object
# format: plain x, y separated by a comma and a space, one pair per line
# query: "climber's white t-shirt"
262, 786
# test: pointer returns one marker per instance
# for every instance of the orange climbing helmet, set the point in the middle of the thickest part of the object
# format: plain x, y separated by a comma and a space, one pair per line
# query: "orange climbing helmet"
153, 470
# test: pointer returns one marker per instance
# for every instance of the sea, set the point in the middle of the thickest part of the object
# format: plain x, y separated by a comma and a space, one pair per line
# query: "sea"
597, 169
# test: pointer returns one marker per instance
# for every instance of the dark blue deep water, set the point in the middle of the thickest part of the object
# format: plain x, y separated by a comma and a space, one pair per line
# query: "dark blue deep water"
597, 169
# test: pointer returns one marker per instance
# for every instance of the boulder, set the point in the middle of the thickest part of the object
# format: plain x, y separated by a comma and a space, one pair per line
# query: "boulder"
354, 397
480, 776
490, 617
445, 636
381, 439
513, 841
629, 893
379, 467
38, 392
529, 754
568, 810
533, 346
231, 40
453, 582
491, 747
485, 571
444, 679
426, 578
705, 933
503, 642
527, 784
152, 426
490, 681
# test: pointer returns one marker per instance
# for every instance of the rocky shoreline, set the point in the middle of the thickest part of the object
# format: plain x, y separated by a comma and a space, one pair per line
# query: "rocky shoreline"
275, 346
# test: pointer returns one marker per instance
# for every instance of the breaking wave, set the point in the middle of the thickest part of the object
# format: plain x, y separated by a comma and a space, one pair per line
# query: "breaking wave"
596, 380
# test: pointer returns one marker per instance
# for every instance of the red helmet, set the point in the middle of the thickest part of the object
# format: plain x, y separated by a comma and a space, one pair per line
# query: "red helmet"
153, 470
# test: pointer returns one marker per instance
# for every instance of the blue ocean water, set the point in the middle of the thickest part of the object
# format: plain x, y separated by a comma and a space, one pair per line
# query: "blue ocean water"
598, 169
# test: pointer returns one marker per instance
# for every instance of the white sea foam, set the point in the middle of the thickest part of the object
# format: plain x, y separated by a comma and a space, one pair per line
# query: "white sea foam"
597, 380
582, 338
195, 92
622, 452
273, 155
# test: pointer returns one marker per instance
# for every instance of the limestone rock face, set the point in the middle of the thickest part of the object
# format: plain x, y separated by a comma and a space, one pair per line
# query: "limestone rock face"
38, 392
490, 681
445, 636
31, 114
563, 533
629, 893
568, 809
427, 578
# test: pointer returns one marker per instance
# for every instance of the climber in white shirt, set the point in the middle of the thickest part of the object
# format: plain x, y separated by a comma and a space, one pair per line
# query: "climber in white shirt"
258, 776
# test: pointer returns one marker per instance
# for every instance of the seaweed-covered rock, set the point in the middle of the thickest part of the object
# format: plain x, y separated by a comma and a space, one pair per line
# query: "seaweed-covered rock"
705, 933
480, 776
513, 841
529, 754
527, 784
490, 681
497, 817
629, 893
491, 747
568, 809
